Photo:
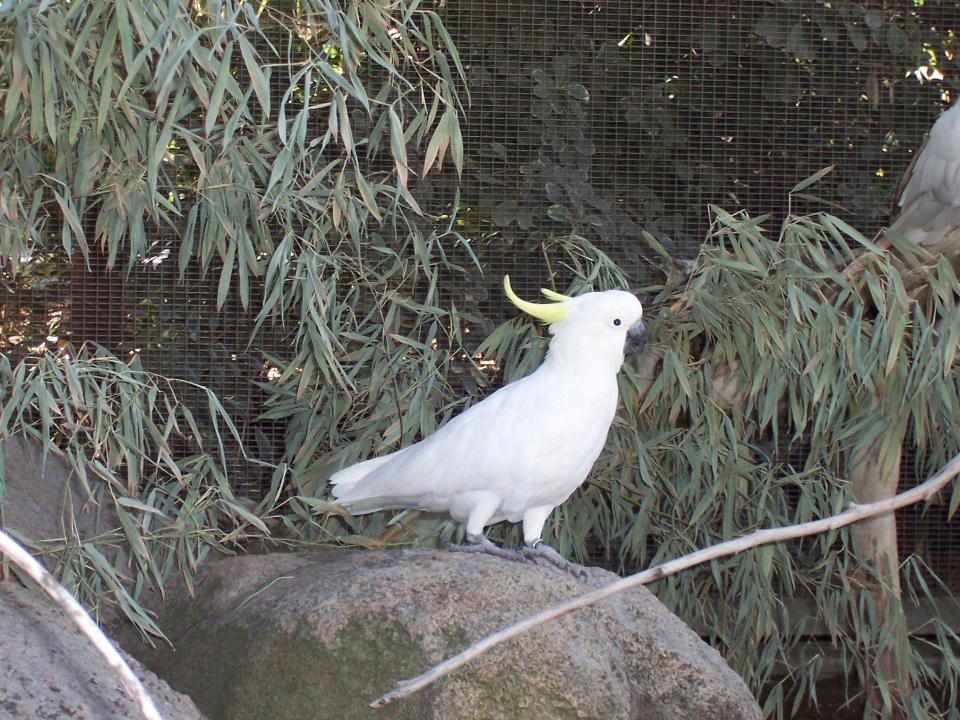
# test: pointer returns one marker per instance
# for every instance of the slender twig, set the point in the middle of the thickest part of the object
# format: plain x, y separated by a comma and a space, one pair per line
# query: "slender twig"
760, 537
25, 561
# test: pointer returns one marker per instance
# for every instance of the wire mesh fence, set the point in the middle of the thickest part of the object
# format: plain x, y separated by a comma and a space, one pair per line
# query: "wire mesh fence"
602, 119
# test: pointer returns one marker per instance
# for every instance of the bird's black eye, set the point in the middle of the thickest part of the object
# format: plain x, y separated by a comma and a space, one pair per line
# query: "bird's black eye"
617, 322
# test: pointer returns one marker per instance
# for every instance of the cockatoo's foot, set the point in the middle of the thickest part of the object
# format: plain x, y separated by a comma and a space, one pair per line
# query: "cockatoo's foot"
482, 544
538, 549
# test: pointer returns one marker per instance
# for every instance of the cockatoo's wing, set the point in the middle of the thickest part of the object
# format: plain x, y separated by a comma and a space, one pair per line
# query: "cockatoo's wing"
459, 457
929, 192
524, 434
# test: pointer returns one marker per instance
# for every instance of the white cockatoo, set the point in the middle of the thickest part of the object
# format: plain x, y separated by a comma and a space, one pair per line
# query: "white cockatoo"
929, 192
523, 450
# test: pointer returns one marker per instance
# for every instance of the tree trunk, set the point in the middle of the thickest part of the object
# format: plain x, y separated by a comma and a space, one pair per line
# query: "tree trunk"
874, 475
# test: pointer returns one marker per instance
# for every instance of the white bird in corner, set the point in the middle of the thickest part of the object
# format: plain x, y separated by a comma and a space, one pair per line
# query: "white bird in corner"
523, 450
929, 192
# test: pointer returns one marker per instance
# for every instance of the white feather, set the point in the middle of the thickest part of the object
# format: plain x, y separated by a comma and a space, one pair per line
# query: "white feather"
930, 200
523, 450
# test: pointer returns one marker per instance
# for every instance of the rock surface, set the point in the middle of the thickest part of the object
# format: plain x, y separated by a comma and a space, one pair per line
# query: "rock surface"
43, 500
50, 670
322, 634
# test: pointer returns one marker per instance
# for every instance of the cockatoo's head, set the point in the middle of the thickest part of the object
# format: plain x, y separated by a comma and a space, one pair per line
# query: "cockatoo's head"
608, 321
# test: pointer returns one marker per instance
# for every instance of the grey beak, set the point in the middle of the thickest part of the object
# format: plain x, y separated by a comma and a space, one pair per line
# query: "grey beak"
636, 338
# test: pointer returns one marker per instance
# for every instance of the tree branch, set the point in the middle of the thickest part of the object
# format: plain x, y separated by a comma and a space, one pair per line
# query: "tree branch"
731, 547
24, 560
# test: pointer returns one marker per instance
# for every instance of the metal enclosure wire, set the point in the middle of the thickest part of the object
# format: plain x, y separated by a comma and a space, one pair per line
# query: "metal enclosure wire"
608, 119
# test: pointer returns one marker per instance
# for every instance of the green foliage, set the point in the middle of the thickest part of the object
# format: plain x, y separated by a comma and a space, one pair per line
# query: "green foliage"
766, 345
264, 146
138, 452
144, 113
274, 149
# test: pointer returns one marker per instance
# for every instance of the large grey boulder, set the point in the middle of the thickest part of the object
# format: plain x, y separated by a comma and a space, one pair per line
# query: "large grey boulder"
322, 634
43, 499
51, 672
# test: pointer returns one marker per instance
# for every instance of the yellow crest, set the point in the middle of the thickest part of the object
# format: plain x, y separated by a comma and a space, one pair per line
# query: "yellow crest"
548, 313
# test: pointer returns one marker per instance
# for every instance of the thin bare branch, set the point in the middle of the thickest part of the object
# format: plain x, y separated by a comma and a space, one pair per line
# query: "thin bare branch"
25, 561
731, 547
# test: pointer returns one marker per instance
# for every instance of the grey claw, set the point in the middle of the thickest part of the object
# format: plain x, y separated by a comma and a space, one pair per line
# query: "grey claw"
545, 552
482, 544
